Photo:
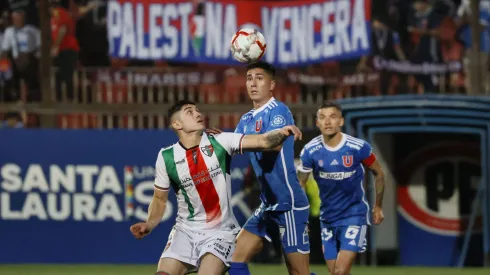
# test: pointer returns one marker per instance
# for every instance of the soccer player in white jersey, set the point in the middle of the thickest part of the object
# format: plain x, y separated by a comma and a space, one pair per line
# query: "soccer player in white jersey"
336, 161
198, 169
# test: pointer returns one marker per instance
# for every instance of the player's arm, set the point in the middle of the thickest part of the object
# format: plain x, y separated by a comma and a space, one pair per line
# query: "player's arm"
280, 116
304, 168
369, 160
160, 193
157, 208
379, 181
270, 139
158, 202
303, 178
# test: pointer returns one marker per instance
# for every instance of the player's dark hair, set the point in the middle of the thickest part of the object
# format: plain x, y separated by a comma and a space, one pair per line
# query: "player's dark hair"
268, 68
178, 106
331, 104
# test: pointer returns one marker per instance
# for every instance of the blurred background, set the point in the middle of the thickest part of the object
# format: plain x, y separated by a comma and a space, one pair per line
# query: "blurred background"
85, 84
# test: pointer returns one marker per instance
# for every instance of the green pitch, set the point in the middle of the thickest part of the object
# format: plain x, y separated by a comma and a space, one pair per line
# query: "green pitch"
255, 270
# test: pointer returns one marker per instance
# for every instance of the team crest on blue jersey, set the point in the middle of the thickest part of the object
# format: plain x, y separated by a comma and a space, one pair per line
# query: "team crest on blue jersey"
258, 125
278, 121
347, 160
320, 163
208, 150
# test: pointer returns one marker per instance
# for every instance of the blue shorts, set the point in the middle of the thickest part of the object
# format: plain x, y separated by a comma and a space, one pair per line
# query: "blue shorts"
293, 228
351, 238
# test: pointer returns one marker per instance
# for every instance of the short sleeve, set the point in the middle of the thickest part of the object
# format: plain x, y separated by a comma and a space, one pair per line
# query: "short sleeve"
232, 142
366, 154
280, 116
162, 181
305, 162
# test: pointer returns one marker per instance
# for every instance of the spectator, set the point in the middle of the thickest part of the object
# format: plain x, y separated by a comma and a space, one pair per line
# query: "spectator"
462, 21
424, 27
13, 120
64, 48
22, 42
385, 44
5, 64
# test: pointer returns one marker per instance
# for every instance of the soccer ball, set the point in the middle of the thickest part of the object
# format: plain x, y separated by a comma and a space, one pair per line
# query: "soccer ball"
248, 45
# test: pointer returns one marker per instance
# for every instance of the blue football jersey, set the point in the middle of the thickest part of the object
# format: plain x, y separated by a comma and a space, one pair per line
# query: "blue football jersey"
339, 173
275, 170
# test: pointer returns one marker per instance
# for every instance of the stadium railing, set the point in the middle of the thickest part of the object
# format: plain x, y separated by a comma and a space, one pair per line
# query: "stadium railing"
137, 97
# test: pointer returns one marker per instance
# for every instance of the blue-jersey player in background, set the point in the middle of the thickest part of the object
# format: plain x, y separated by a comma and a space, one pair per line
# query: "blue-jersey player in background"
283, 200
337, 161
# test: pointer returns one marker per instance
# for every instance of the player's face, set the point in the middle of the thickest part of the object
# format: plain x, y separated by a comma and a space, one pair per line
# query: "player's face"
259, 85
189, 119
329, 121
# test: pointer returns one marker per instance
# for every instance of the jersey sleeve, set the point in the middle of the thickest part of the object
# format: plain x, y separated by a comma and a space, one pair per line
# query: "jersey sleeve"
162, 181
280, 116
305, 162
232, 142
366, 154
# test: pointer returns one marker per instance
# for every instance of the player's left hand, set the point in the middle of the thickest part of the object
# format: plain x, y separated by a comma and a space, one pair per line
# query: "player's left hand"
291, 129
378, 216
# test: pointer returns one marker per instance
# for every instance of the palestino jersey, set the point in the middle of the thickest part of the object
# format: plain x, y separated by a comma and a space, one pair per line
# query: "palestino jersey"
200, 177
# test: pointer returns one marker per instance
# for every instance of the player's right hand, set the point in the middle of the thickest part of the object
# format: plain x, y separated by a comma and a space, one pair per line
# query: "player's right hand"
140, 230
213, 131
292, 129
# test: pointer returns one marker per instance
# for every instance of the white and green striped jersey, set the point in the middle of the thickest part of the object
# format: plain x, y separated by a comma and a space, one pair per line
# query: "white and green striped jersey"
201, 179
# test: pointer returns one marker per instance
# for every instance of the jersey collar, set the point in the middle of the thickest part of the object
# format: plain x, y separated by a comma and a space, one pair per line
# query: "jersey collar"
255, 112
336, 148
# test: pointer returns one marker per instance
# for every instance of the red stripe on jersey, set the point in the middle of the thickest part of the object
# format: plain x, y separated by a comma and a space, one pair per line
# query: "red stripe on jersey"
369, 160
160, 188
204, 184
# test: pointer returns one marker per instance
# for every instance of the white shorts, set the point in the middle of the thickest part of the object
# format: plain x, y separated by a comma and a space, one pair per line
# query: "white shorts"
188, 246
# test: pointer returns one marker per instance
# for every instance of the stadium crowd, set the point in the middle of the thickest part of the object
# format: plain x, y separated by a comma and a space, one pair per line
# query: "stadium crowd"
434, 34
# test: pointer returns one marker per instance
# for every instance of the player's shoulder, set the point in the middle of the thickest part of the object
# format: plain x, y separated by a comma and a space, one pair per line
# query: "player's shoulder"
278, 106
247, 115
313, 145
353, 142
168, 148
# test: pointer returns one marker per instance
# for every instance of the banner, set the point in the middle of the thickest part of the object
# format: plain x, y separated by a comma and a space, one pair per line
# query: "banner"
437, 177
71, 196
296, 32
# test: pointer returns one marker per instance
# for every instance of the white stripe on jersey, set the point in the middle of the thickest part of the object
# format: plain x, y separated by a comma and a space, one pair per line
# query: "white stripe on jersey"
288, 229
356, 141
362, 236
293, 225
313, 142
284, 168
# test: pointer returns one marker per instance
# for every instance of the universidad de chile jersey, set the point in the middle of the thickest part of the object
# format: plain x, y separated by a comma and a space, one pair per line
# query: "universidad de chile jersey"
340, 174
275, 170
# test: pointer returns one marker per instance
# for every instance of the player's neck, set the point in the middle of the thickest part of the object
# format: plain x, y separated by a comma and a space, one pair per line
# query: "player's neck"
333, 140
189, 140
258, 104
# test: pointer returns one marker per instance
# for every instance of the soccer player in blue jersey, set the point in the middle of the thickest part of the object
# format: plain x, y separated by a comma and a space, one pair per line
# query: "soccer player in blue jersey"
337, 161
283, 200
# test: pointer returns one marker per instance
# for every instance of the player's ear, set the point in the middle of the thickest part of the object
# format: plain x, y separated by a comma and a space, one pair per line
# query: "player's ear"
341, 121
273, 84
177, 124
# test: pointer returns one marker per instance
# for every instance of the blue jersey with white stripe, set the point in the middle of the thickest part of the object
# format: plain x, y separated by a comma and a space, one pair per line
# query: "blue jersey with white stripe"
275, 170
339, 173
